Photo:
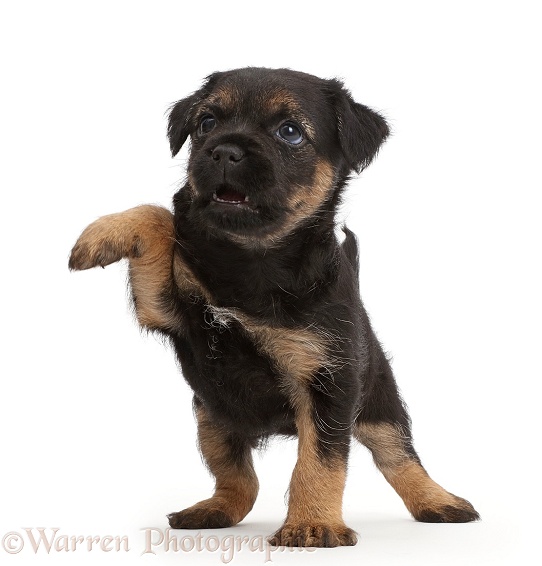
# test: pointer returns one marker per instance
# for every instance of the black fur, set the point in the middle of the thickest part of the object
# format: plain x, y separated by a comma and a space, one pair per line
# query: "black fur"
305, 279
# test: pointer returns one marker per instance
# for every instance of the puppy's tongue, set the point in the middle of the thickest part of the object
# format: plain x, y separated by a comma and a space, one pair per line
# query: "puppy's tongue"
227, 194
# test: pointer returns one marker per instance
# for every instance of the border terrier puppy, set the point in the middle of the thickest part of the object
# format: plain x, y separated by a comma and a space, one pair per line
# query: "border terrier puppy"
261, 303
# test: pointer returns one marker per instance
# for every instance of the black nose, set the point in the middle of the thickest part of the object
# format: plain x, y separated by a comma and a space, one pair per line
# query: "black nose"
226, 153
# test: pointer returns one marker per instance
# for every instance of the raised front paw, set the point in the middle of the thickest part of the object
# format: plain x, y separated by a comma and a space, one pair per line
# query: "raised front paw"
145, 230
315, 535
105, 241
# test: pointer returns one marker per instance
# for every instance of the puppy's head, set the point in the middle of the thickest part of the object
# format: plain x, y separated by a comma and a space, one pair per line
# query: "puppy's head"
271, 149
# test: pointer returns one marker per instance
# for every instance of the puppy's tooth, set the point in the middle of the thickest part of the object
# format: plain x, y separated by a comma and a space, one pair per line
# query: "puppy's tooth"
246, 198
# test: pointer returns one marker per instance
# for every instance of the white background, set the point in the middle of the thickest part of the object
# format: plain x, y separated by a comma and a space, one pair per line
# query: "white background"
96, 425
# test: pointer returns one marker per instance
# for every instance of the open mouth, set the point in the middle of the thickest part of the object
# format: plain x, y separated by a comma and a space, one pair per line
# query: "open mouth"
227, 195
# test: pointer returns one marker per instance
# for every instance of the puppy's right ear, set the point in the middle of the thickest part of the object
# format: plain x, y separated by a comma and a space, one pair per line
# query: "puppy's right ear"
181, 114
179, 122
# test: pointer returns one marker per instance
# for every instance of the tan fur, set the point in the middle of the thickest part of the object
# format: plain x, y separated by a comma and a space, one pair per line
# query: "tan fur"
316, 487
186, 282
409, 479
225, 96
316, 491
236, 484
385, 441
296, 353
418, 491
280, 100
306, 200
150, 273
145, 235
124, 234
277, 100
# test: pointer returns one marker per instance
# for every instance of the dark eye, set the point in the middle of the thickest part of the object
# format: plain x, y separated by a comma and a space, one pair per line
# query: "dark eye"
206, 124
291, 133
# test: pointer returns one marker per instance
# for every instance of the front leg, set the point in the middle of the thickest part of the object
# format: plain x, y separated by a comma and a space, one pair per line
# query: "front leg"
145, 235
228, 457
316, 489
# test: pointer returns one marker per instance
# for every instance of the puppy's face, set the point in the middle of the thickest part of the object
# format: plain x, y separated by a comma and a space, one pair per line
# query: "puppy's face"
270, 148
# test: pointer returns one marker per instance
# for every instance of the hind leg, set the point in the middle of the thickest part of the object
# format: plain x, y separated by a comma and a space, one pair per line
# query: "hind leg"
394, 456
383, 426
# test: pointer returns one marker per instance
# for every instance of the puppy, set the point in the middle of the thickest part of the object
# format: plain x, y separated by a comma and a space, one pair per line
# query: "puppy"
261, 303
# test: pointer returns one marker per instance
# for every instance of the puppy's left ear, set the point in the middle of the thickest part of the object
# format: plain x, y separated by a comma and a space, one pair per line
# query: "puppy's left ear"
361, 130
178, 127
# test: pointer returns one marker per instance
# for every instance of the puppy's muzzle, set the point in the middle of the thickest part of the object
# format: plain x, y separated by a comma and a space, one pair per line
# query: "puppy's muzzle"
226, 156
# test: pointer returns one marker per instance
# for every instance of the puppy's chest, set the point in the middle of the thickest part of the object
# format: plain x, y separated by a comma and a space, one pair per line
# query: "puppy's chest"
227, 335
247, 371
294, 352
239, 386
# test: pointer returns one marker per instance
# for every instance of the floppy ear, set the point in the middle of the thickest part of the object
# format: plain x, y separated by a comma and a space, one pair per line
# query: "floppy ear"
179, 122
361, 130
180, 114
